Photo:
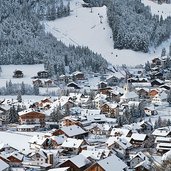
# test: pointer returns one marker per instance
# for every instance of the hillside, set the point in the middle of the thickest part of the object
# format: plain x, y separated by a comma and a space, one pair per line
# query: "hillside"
24, 41
83, 28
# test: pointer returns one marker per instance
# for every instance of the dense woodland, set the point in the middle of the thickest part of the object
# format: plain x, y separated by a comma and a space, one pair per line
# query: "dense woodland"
133, 25
23, 41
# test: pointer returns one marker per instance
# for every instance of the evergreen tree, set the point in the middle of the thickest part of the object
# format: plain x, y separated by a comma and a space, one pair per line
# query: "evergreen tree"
56, 115
13, 115
159, 122
35, 89
19, 98
23, 88
163, 52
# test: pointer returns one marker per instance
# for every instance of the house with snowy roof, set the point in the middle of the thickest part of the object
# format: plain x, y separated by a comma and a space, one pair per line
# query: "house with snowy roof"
109, 163
72, 145
70, 120
120, 145
121, 132
137, 158
112, 80
150, 110
72, 131
38, 142
160, 99
78, 75
157, 83
78, 163
41, 158
99, 100
5, 148
110, 109
162, 132
142, 92
138, 139
15, 158
96, 153
30, 116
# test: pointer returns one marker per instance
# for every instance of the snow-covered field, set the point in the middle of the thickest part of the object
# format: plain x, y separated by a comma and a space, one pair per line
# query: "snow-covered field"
28, 71
158, 9
25, 98
84, 28
18, 140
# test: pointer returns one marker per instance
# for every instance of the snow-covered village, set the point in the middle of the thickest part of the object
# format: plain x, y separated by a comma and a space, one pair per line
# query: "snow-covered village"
85, 85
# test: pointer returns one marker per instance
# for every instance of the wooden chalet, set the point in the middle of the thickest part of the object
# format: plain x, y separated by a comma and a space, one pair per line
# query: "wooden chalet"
43, 74
31, 117
18, 74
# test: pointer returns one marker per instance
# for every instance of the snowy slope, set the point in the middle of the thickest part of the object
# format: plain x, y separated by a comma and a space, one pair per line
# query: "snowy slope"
158, 9
83, 28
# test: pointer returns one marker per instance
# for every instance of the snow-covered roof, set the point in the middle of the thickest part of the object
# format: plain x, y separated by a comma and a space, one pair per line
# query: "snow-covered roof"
27, 111
123, 142
17, 155
112, 162
133, 103
163, 132
73, 130
163, 146
163, 139
167, 156
26, 126
85, 112
138, 137
96, 118
129, 95
80, 160
121, 131
3, 145
140, 155
59, 139
40, 152
39, 140
72, 143
3, 165
111, 105
92, 153
146, 164
161, 95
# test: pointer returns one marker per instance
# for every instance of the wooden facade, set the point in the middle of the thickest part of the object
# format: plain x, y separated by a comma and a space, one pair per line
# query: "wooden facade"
32, 117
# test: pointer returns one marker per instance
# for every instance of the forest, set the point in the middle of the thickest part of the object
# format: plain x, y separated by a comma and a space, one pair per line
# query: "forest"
23, 40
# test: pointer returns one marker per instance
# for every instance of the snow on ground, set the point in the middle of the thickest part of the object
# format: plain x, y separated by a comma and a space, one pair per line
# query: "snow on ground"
158, 9
26, 98
28, 71
84, 28
16, 140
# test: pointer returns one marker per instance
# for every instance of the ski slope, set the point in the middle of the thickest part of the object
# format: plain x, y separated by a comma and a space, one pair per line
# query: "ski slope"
84, 28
